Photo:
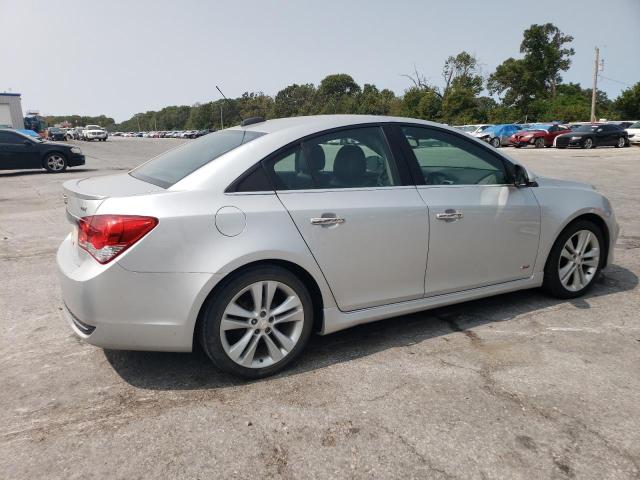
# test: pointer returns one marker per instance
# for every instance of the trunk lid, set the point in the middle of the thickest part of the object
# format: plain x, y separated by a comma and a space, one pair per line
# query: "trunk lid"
83, 197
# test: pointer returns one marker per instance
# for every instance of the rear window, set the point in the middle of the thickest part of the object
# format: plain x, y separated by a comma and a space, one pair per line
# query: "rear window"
168, 168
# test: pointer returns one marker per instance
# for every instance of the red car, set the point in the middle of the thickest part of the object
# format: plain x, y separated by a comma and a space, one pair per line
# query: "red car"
538, 136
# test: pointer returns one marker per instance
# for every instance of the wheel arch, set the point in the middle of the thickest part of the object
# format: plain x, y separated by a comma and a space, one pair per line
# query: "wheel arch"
300, 272
593, 218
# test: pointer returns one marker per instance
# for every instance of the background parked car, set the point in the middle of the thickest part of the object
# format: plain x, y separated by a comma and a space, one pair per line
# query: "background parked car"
634, 133
592, 136
94, 132
55, 133
19, 151
498, 135
539, 136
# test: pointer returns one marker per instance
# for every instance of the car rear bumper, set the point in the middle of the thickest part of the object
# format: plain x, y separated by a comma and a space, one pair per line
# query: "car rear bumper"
111, 307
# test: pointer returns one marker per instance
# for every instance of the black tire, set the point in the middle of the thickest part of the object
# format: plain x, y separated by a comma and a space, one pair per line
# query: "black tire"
552, 283
52, 166
213, 310
495, 142
539, 143
621, 142
588, 143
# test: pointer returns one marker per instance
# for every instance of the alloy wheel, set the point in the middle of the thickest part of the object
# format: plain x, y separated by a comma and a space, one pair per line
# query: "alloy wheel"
55, 163
262, 324
588, 143
621, 142
579, 260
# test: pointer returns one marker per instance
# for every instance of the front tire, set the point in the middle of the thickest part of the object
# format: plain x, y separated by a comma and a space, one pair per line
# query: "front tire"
55, 163
575, 261
621, 142
539, 143
495, 142
257, 323
588, 143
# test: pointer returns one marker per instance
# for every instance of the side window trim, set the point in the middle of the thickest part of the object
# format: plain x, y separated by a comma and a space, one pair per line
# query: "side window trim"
415, 166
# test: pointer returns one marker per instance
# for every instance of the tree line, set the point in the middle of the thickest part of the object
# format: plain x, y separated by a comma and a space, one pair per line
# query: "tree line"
525, 89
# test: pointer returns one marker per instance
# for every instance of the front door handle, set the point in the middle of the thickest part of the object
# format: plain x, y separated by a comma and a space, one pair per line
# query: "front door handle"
327, 221
449, 215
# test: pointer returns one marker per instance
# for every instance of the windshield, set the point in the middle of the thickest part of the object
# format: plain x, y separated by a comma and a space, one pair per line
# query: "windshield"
635, 125
168, 168
586, 128
94, 127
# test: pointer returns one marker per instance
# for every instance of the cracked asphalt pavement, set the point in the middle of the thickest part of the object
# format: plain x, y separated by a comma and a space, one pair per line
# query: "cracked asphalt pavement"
517, 386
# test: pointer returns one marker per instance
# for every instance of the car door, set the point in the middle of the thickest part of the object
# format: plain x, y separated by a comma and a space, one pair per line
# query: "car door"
16, 151
362, 219
482, 229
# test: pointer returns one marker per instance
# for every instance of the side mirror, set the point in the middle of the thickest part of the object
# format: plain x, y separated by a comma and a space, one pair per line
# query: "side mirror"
27, 143
520, 177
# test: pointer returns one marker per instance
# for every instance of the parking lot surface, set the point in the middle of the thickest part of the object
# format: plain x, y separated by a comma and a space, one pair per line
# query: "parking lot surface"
517, 386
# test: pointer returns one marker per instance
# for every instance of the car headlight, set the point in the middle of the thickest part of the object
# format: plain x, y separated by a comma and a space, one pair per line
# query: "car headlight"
76, 150
576, 138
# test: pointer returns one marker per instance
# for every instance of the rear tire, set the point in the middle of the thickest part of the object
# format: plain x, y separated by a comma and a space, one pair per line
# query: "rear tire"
621, 142
539, 143
575, 261
260, 315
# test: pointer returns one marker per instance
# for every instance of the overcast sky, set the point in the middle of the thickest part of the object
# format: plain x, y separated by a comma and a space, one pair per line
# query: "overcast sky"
121, 57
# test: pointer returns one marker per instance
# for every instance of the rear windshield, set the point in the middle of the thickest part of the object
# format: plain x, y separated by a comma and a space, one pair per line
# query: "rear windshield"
168, 168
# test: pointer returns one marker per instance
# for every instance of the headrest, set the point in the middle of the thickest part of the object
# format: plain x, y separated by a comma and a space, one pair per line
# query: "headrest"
350, 164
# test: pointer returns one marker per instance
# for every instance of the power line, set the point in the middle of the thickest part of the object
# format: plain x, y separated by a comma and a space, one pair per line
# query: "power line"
614, 80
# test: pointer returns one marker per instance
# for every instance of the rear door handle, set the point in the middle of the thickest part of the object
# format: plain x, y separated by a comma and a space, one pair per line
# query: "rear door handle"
327, 221
449, 215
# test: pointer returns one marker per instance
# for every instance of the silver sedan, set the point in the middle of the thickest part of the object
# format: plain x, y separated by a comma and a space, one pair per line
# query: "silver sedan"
248, 239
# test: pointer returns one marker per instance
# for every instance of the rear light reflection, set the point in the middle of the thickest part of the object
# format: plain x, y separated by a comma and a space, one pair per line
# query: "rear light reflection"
107, 236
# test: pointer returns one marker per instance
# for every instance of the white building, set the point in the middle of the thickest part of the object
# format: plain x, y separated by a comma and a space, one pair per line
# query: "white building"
11, 110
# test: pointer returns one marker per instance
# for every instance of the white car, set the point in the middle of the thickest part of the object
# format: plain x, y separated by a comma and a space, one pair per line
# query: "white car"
94, 132
248, 239
634, 133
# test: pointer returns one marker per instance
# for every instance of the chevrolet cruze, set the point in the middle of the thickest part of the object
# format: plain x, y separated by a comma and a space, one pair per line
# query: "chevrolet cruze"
248, 239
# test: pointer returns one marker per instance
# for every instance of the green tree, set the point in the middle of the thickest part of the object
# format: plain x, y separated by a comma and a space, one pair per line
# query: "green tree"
294, 100
627, 105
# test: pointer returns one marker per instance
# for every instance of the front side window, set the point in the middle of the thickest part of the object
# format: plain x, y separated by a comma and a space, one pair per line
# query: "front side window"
168, 168
355, 158
446, 159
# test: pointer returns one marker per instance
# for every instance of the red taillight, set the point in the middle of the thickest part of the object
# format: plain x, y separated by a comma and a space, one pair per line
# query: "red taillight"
107, 236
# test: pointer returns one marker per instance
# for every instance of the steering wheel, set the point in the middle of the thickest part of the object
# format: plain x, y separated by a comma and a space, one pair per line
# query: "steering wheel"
439, 178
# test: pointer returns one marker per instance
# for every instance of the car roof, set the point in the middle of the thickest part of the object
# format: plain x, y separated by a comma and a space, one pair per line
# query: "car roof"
318, 123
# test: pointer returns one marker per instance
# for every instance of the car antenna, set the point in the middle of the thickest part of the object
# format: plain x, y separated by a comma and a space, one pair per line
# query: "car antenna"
243, 122
234, 107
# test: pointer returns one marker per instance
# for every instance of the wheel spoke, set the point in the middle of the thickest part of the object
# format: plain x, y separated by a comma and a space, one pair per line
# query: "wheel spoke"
230, 324
256, 294
291, 316
237, 311
290, 303
593, 253
567, 271
247, 359
270, 291
285, 341
575, 279
235, 352
581, 277
274, 350
593, 262
567, 253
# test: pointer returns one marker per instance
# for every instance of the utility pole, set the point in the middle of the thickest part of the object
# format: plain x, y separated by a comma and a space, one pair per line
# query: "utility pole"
596, 67
221, 119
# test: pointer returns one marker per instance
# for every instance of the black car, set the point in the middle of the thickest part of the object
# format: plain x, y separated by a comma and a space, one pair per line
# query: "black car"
592, 136
18, 152
55, 133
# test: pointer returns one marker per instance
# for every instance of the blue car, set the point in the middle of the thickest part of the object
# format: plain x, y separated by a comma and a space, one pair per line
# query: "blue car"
498, 135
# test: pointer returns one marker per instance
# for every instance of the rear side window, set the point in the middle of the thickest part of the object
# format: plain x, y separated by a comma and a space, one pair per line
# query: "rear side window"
6, 137
172, 166
353, 158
